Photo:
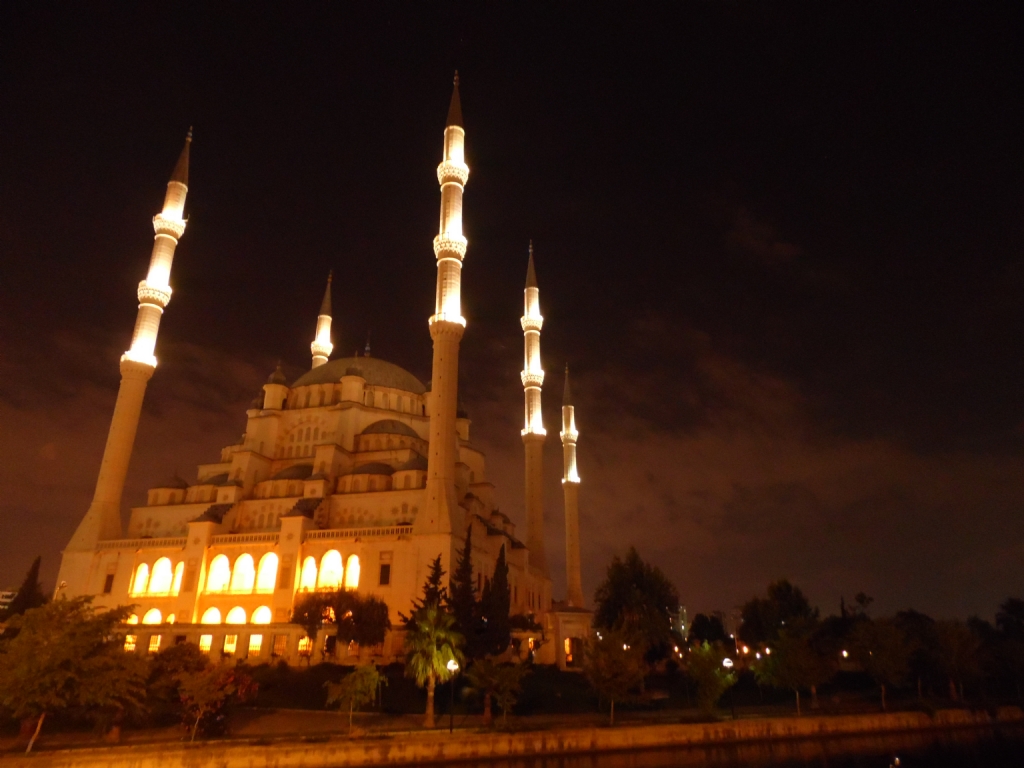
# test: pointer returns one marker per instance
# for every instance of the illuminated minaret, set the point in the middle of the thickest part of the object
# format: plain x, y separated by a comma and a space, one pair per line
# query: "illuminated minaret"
321, 346
446, 328
103, 519
534, 433
571, 493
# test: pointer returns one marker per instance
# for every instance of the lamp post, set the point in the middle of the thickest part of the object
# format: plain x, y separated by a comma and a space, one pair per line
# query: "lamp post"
453, 667
728, 664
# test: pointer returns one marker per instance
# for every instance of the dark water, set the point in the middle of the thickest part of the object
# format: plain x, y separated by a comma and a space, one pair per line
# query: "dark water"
969, 748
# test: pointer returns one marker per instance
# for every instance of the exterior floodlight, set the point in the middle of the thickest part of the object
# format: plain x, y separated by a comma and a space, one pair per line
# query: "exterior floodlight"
727, 663
453, 665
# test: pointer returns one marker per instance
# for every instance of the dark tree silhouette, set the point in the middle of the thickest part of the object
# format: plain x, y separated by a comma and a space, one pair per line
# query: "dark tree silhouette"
637, 599
434, 591
496, 631
706, 629
763, 618
462, 602
30, 595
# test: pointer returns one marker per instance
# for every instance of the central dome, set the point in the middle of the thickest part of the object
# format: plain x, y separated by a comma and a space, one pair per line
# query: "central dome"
377, 372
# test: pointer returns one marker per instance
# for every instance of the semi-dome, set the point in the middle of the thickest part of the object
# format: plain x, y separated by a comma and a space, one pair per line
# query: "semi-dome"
377, 372
390, 427
294, 472
373, 468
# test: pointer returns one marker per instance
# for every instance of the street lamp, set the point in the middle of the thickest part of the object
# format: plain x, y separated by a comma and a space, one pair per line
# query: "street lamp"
728, 664
453, 667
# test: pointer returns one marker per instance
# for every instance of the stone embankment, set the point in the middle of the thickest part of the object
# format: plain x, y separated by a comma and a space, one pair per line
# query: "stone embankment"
439, 747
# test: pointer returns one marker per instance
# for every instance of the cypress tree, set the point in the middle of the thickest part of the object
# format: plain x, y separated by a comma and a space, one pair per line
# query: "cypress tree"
494, 608
463, 603
434, 591
30, 594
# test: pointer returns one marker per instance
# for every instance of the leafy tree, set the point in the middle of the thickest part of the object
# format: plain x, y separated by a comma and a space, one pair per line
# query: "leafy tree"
360, 619
880, 647
704, 667
958, 650
30, 594
509, 686
498, 682
638, 600
614, 668
462, 601
431, 641
312, 610
356, 689
434, 591
66, 654
795, 663
706, 629
495, 629
763, 617
167, 668
205, 694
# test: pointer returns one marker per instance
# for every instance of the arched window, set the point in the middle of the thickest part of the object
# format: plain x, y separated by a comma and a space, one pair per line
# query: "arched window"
331, 571
219, 577
243, 575
171, 619
212, 616
141, 580
266, 577
235, 616
352, 572
262, 615
133, 619
161, 578
307, 581
153, 616
179, 570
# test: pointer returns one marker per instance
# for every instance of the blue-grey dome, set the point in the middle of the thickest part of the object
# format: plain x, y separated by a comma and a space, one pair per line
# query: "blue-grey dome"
390, 427
377, 372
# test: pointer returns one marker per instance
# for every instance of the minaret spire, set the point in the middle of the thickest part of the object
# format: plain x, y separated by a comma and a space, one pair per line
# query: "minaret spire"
322, 346
571, 495
534, 433
103, 518
446, 328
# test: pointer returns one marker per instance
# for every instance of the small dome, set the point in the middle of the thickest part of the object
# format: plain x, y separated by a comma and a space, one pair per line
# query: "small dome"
294, 472
374, 468
278, 377
174, 482
416, 462
390, 427
220, 479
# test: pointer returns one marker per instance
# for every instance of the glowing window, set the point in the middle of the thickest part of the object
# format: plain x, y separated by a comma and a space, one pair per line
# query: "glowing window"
212, 616
243, 575
255, 644
160, 580
305, 646
262, 615
266, 577
308, 579
133, 619
352, 572
141, 580
280, 645
129, 642
153, 616
170, 619
236, 615
179, 570
330, 571
205, 643
219, 577
154, 643
230, 643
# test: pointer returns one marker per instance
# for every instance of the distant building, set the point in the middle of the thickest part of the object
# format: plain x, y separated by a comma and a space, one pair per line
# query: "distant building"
6, 598
356, 475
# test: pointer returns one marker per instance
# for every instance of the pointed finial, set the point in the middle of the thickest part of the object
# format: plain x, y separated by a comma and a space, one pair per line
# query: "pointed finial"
366, 349
180, 173
566, 392
325, 307
455, 107
531, 274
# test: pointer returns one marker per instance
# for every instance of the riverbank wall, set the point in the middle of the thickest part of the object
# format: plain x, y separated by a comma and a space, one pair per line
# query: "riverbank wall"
441, 748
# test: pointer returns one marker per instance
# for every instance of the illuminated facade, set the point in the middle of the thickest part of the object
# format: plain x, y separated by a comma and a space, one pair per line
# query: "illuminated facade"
355, 476
533, 431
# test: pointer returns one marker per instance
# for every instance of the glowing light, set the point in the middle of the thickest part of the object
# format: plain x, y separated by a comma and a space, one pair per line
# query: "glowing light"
236, 616
846, 654
307, 581
727, 663
141, 580
255, 644
768, 651
129, 642
352, 572
331, 571
230, 643
758, 654
243, 575
171, 619
306, 646
266, 577
220, 574
746, 649
133, 619
179, 571
262, 615
452, 666
162, 578
205, 643
153, 616
154, 643
211, 616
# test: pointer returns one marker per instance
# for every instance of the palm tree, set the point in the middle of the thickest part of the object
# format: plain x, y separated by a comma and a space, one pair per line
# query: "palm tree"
432, 642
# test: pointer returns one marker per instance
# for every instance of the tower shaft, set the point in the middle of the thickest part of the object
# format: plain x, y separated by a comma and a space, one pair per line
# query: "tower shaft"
103, 519
571, 496
446, 328
534, 433
322, 346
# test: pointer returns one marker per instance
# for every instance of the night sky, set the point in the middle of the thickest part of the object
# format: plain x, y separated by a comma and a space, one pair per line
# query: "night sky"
780, 247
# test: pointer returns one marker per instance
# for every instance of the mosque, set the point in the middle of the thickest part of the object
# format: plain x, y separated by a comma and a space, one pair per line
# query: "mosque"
354, 476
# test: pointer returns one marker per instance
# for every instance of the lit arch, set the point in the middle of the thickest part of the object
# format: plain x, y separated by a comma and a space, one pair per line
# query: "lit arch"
307, 581
266, 575
243, 575
161, 578
235, 616
212, 616
219, 577
262, 615
153, 616
331, 571
179, 570
170, 619
133, 619
141, 580
352, 572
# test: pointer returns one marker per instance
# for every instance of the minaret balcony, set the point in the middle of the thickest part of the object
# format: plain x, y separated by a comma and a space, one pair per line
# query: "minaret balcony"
531, 322
532, 379
160, 295
448, 172
569, 436
320, 349
446, 244
163, 225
